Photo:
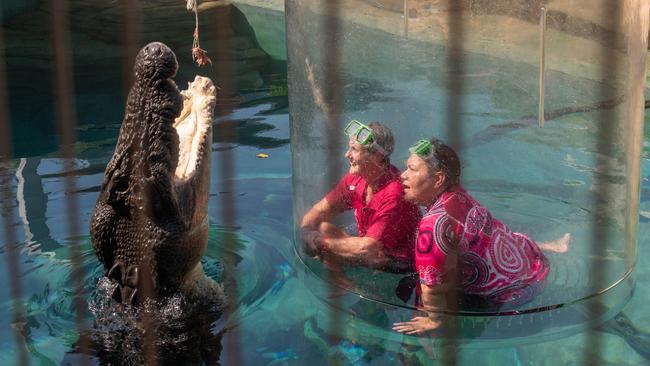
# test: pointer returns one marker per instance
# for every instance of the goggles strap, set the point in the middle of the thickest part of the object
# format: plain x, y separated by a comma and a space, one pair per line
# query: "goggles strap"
378, 148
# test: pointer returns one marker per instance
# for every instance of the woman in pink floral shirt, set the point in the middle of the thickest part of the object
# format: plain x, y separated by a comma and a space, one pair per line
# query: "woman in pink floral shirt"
461, 249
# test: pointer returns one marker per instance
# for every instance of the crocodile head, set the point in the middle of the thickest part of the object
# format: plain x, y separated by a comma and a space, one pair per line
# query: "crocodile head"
149, 227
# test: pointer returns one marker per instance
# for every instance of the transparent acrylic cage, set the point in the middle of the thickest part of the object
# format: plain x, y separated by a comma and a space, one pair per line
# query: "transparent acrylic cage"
469, 74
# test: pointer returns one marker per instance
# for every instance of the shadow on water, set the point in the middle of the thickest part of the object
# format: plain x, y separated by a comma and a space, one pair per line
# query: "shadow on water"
247, 132
278, 103
501, 130
33, 214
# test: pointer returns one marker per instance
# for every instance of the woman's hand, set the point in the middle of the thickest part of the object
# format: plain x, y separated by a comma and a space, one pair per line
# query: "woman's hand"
313, 242
418, 325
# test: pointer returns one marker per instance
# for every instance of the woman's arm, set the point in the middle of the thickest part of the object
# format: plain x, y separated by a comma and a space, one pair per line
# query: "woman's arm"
354, 249
434, 300
315, 225
322, 211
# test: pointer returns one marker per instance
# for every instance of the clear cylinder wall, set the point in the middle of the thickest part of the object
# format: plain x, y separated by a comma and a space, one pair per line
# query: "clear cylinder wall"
469, 74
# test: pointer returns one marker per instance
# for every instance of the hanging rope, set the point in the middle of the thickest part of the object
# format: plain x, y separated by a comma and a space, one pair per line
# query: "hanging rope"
199, 55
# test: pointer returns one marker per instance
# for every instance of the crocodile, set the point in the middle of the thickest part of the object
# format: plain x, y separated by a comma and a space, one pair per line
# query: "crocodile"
149, 226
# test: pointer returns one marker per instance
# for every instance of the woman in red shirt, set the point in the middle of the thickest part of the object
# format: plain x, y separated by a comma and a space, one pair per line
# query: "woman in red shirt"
372, 187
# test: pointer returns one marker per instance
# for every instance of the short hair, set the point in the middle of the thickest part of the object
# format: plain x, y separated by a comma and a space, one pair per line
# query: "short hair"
383, 137
442, 157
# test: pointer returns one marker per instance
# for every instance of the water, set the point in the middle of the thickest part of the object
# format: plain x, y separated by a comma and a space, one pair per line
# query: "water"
283, 306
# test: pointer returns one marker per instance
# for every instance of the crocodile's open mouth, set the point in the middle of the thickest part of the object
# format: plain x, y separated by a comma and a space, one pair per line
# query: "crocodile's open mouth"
194, 127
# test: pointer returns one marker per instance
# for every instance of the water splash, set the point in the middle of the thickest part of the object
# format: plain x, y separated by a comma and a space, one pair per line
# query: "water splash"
183, 329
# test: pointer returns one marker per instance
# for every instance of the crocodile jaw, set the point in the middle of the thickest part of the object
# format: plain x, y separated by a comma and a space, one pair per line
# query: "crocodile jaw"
194, 128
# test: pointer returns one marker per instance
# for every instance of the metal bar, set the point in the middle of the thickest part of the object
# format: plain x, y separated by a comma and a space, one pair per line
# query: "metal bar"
130, 39
542, 64
225, 131
334, 98
455, 102
406, 18
607, 123
130, 36
65, 117
456, 69
149, 348
637, 45
13, 266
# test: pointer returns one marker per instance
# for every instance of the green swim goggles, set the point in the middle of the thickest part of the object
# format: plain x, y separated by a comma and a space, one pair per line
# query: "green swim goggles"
363, 135
421, 148
360, 132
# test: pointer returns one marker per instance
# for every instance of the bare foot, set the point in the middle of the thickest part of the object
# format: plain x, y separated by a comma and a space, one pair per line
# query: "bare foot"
560, 245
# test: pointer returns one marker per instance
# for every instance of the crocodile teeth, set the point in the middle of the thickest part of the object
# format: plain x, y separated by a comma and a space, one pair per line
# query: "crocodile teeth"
193, 125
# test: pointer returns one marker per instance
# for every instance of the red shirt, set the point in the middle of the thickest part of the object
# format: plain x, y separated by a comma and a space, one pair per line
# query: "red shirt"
502, 266
386, 218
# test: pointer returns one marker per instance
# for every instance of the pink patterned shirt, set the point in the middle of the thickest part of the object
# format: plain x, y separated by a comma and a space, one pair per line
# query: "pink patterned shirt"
497, 264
